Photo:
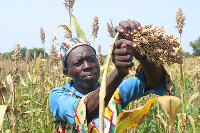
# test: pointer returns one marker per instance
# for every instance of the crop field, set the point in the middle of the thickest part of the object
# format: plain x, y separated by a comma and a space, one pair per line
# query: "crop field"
26, 84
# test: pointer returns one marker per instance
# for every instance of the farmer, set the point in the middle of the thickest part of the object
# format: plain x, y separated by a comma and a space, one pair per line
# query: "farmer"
76, 105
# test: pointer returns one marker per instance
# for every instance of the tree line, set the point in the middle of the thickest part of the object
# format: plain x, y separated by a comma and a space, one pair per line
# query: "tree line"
8, 55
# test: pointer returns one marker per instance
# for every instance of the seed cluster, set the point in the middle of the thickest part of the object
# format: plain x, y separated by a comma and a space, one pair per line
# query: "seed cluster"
42, 35
28, 56
110, 30
40, 56
95, 27
180, 20
157, 46
41, 72
100, 57
16, 56
69, 4
35, 56
15, 76
68, 34
54, 57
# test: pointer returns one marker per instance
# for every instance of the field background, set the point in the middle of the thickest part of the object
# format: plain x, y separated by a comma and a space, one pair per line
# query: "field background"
38, 77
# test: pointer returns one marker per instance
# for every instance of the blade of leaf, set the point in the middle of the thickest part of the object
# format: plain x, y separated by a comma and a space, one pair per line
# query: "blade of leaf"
194, 96
3, 91
29, 76
15, 112
192, 123
2, 112
36, 69
22, 81
171, 105
133, 118
9, 81
78, 29
45, 99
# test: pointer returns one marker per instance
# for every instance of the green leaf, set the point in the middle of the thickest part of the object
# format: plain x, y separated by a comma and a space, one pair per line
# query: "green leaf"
36, 69
8, 131
45, 99
30, 76
194, 96
192, 123
78, 29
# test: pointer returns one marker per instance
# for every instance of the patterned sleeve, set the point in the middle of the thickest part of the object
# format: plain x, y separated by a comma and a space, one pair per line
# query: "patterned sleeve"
62, 105
80, 115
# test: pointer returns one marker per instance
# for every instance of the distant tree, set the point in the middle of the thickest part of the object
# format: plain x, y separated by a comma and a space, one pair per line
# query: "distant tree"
186, 54
23, 52
196, 47
38, 51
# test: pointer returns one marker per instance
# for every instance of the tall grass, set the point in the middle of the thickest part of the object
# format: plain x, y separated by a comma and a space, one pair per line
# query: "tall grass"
31, 97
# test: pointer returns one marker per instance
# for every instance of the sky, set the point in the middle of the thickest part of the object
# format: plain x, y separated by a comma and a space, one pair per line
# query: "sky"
20, 20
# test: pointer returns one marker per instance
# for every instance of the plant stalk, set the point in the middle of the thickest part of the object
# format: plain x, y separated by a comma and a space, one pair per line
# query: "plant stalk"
181, 67
93, 42
44, 50
13, 108
102, 92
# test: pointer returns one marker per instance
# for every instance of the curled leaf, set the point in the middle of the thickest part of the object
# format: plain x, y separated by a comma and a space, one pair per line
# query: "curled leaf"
171, 105
45, 99
54, 31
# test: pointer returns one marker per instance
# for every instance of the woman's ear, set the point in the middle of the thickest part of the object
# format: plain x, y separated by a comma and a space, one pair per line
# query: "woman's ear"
66, 72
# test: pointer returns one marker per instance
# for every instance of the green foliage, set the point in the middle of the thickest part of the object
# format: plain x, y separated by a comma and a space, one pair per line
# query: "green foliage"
38, 51
78, 29
196, 47
186, 54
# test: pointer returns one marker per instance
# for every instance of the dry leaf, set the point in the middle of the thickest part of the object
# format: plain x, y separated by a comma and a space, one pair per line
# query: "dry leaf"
15, 112
2, 112
3, 91
133, 118
171, 105
10, 82
45, 99
22, 81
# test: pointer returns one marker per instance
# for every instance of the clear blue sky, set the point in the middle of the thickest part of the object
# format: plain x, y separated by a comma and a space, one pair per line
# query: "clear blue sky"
20, 20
